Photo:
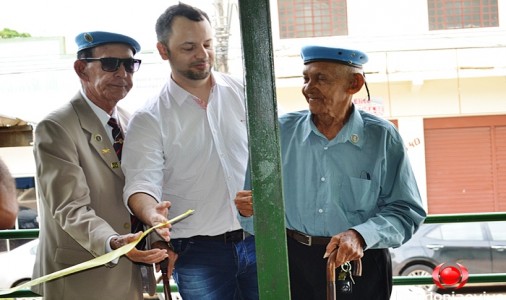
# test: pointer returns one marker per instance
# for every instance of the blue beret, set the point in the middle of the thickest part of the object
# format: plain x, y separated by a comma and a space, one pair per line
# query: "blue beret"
92, 39
348, 57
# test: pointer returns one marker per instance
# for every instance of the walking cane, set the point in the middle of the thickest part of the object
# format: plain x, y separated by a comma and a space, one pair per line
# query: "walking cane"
331, 276
356, 270
164, 265
164, 268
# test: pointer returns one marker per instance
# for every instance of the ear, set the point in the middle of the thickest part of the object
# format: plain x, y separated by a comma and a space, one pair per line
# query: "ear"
162, 50
80, 69
357, 83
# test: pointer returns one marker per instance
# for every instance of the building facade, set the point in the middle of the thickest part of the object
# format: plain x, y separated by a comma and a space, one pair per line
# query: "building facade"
437, 70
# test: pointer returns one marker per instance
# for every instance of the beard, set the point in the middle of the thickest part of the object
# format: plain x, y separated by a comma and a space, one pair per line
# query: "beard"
193, 75
198, 74
190, 74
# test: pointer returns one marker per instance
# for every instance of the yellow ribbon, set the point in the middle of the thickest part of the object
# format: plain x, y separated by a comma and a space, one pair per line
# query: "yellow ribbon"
97, 261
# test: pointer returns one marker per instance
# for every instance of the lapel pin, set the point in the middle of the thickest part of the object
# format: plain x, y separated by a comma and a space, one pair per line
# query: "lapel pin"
354, 138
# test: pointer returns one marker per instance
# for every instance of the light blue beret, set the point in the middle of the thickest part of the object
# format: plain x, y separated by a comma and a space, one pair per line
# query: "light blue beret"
92, 39
348, 57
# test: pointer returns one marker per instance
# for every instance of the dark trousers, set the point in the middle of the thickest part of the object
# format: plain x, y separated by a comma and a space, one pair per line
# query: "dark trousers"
308, 271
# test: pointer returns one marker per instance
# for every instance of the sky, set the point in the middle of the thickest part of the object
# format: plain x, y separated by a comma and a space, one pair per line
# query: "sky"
43, 18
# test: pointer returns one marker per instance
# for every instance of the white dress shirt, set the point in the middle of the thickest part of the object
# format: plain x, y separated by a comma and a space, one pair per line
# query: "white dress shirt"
104, 118
195, 157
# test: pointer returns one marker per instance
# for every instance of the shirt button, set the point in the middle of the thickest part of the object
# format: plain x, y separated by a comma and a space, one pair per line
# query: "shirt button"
322, 179
320, 210
325, 148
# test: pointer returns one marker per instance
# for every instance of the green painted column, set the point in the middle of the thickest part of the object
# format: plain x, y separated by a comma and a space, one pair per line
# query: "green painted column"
270, 235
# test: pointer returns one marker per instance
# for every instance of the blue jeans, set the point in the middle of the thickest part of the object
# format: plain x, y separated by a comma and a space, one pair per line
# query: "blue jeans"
216, 270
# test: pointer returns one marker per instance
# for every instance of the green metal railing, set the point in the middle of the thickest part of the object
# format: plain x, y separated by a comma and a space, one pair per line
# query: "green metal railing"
397, 280
474, 217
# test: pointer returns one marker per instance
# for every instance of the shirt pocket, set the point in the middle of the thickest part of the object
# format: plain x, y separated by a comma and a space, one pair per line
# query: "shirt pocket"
360, 197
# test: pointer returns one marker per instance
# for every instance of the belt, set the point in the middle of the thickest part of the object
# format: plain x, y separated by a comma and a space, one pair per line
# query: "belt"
227, 237
307, 239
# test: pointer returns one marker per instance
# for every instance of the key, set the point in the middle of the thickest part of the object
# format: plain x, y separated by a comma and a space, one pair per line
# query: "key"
343, 285
350, 272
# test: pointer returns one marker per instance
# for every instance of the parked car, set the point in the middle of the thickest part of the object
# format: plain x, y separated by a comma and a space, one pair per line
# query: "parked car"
17, 264
479, 246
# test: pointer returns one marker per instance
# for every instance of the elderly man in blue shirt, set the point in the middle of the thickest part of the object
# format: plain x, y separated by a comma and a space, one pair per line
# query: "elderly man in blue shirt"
347, 180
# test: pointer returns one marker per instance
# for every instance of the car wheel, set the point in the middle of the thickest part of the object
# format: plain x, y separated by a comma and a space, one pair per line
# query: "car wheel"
20, 282
420, 270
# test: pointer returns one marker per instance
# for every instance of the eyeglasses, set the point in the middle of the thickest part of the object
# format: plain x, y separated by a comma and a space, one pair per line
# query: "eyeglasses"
112, 64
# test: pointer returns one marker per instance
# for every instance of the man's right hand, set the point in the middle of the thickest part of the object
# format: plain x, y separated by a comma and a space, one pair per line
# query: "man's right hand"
160, 211
151, 212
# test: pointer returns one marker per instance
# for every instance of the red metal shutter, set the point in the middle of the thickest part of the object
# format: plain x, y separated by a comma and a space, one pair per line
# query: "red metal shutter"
466, 164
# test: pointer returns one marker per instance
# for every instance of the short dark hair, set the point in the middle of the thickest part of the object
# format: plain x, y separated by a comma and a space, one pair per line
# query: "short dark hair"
164, 23
85, 53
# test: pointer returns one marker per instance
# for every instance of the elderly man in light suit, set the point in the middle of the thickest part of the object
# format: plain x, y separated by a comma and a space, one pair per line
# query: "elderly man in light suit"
81, 183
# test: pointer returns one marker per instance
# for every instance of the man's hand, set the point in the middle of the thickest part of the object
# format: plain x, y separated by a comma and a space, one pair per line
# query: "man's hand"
151, 212
349, 244
161, 210
146, 256
244, 203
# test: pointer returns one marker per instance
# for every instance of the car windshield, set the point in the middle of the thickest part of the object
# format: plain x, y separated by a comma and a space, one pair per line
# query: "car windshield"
457, 231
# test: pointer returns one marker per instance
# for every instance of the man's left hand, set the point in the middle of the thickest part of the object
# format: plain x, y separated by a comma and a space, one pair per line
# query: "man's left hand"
145, 256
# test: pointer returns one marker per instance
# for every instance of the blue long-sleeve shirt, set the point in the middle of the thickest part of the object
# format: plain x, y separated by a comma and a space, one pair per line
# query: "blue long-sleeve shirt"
361, 179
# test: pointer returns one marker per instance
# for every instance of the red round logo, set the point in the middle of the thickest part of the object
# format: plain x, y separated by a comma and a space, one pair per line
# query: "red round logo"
450, 275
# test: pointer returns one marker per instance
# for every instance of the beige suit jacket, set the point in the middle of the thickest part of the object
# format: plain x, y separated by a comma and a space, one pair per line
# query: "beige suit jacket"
80, 187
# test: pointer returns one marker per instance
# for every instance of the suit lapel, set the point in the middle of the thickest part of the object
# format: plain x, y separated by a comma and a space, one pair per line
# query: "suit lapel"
97, 136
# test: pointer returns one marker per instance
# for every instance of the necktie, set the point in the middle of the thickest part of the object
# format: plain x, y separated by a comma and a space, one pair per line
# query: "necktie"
118, 146
117, 136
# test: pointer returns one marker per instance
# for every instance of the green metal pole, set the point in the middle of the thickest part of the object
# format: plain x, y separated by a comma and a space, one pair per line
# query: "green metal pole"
270, 234
469, 217
19, 234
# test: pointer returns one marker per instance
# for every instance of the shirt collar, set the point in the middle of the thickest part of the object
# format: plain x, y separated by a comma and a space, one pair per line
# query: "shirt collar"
101, 114
353, 130
180, 95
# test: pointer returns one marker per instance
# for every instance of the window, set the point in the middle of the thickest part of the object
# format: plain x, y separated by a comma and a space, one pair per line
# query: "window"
458, 14
458, 232
312, 18
497, 230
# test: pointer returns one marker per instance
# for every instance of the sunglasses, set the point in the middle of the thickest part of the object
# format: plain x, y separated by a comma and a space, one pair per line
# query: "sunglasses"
112, 64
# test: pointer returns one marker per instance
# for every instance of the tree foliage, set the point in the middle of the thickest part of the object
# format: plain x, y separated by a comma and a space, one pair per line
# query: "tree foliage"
8, 33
